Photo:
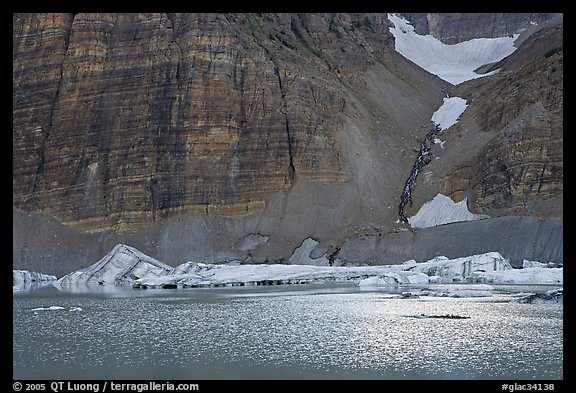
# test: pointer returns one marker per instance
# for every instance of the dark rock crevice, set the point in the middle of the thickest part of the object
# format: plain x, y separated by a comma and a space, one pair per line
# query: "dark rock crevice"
284, 110
421, 161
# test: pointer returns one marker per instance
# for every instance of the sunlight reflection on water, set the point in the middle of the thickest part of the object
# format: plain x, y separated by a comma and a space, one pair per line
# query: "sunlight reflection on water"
305, 332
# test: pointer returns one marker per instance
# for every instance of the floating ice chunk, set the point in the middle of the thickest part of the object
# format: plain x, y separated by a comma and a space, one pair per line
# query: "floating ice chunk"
443, 210
75, 309
51, 308
392, 279
553, 296
528, 264
460, 269
445, 316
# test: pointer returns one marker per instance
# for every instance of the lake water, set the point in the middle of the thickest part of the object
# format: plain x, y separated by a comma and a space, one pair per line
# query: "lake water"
285, 332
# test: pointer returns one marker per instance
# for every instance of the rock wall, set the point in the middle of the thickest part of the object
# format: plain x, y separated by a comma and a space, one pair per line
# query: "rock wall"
452, 28
516, 238
44, 245
182, 135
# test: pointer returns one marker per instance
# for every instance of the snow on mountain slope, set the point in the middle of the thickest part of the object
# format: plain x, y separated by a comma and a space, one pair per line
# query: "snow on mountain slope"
447, 115
443, 210
453, 63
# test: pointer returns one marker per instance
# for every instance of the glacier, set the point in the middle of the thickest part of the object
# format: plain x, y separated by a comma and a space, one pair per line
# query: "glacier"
23, 280
122, 265
469, 276
453, 63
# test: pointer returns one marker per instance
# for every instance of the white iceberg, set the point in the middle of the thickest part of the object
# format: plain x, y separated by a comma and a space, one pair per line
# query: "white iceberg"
553, 296
303, 254
453, 63
532, 275
23, 280
126, 266
460, 290
439, 269
443, 210
51, 308
396, 278
121, 266
526, 264
212, 275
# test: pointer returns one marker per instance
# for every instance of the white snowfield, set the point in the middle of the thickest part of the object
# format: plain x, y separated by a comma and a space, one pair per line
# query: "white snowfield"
449, 112
452, 63
443, 210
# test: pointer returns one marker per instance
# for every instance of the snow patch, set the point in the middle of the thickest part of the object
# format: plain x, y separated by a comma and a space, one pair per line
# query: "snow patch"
303, 254
553, 296
452, 63
443, 210
51, 308
449, 112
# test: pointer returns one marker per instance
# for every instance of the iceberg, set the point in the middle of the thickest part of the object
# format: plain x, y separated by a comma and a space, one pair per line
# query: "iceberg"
553, 296
128, 267
23, 280
212, 275
396, 279
460, 290
531, 275
439, 270
303, 255
51, 308
121, 266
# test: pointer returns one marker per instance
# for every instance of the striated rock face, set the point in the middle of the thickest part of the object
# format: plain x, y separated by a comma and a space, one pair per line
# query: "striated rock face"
124, 118
519, 115
185, 134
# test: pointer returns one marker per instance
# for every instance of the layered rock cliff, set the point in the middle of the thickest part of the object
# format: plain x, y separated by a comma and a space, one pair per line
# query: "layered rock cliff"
188, 133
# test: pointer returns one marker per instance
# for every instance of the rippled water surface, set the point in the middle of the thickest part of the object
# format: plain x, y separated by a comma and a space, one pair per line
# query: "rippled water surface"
299, 332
